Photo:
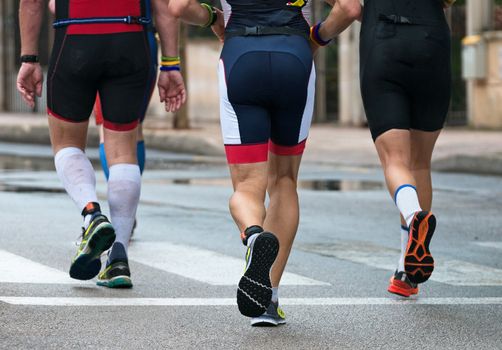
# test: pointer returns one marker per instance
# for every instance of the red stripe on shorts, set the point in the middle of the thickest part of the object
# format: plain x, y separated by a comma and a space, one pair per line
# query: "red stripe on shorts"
120, 127
295, 150
242, 154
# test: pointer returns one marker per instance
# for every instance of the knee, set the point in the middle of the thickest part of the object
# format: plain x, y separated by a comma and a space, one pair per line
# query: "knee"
281, 183
420, 163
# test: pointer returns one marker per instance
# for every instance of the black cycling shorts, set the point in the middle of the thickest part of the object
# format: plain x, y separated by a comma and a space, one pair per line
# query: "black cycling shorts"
267, 86
405, 68
118, 66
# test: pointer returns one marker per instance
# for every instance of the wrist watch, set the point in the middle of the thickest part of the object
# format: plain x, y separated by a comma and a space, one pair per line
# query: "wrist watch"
29, 59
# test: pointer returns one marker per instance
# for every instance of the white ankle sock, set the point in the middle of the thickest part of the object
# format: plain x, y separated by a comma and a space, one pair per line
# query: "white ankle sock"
124, 187
404, 245
406, 199
77, 175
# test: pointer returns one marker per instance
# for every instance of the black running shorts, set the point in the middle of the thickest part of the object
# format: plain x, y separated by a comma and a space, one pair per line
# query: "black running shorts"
118, 66
405, 67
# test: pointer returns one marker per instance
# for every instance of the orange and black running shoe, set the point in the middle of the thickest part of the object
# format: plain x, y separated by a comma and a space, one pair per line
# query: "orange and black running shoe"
418, 261
401, 285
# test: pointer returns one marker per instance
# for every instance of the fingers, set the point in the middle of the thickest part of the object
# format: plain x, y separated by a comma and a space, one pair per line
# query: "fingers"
39, 89
28, 96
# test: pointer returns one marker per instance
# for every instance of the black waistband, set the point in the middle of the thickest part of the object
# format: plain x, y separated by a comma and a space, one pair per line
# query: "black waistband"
397, 19
257, 31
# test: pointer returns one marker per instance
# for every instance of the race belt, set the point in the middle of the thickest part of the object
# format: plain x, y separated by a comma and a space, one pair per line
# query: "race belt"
97, 20
258, 31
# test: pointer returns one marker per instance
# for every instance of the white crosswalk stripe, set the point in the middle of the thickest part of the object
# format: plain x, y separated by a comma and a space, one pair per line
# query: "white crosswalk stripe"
85, 301
187, 261
16, 269
450, 271
200, 264
495, 245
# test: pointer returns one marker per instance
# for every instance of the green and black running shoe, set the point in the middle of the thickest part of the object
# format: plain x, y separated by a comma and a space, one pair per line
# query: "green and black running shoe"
115, 275
98, 237
254, 292
274, 316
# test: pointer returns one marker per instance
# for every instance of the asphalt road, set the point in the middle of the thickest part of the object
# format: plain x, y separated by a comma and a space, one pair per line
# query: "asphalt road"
186, 258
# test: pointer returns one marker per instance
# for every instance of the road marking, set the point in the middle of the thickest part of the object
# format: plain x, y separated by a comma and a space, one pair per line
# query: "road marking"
496, 245
201, 265
84, 301
16, 269
453, 272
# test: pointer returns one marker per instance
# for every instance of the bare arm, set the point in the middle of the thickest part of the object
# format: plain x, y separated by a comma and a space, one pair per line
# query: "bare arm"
343, 13
171, 85
30, 77
30, 22
190, 11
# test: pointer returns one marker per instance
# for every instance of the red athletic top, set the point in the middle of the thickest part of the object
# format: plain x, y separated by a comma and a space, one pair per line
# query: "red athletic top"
99, 8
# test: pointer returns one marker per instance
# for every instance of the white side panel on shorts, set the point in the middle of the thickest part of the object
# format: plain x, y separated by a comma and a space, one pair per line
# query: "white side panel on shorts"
309, 107
228, 117
227, 11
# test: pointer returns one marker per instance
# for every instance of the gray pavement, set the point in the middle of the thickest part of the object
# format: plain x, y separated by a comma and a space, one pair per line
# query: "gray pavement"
457, 150
335, 296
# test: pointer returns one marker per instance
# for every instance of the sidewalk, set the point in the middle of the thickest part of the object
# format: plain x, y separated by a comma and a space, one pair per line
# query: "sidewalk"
457, 150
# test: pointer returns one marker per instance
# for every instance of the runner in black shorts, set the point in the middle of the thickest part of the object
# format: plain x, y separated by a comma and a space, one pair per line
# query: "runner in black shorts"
405, 84
100, 46
267, 83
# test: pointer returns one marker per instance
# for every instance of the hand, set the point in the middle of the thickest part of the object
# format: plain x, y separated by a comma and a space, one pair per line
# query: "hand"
218, 27
29, 82
172, 90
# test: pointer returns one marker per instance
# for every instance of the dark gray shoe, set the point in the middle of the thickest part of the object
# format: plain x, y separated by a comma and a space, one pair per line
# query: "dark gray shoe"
274, 316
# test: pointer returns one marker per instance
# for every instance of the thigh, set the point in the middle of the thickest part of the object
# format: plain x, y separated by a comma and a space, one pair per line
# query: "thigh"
422, 146
73, 77
125, 85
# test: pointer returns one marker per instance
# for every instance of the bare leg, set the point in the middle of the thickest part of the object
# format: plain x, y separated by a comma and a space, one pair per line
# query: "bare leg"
247, 203
422, 145
393, 148
64, 134
283, 212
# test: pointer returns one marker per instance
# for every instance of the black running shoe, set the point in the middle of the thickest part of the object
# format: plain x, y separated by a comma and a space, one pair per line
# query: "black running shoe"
98, 237
255, 289
418, 260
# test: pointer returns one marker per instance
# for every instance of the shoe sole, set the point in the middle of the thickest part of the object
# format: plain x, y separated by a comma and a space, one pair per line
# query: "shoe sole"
418, 261
88, 263
255, 289
116, 282
267, 323
401, 291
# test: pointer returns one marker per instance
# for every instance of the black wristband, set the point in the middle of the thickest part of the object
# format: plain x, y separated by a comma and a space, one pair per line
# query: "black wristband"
215, 16
29, 59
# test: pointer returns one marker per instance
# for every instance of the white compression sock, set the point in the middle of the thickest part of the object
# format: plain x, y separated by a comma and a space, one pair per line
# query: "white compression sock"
404, 245
77, 175
124, 187
406, 199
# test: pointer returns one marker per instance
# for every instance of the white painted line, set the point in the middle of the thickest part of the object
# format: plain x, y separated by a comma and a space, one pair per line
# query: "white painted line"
453, 272
200, 264
16, 269
496, 245
75, 301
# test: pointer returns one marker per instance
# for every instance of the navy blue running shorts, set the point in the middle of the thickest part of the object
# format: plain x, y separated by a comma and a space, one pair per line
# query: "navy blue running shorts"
267, 86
